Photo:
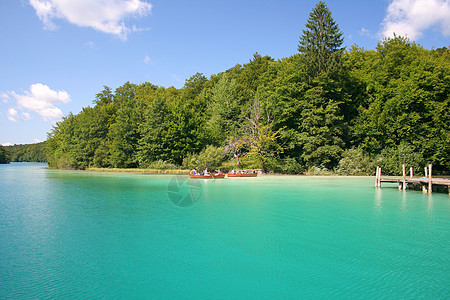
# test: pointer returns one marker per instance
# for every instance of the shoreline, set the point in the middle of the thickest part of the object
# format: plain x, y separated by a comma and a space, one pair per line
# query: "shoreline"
186, 172
138, 171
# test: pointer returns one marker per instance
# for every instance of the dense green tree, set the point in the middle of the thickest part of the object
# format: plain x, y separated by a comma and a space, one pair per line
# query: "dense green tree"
322, 127
104, 97
211, 157
60, 144
322, 96
173, 126
123, 135
27, 152
124, 93
320, 43
392, 159
252, 74
155, 141
257, 136
194, 85
407, 99
4, 155
321, 108
224, 109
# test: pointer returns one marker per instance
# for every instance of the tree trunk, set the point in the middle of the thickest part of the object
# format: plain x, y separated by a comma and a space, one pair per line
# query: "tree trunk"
263, 167
237, 160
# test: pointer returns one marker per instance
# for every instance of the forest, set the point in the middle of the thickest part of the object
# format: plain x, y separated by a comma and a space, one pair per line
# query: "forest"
4, 155
324, 110
26, 152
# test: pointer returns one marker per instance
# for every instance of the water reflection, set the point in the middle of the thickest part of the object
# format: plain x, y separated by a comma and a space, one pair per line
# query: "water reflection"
430, 205
404, 206
378, 203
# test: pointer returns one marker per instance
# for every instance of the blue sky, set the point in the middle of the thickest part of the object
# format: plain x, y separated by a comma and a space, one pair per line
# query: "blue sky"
55, 55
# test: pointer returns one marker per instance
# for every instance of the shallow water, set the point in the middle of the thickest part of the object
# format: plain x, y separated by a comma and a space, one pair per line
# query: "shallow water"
68, 234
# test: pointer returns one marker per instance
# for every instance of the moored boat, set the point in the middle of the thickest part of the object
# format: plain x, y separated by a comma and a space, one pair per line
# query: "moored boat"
209, 176
242, 174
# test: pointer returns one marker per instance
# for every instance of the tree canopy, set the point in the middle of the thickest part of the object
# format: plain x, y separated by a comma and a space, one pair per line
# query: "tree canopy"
4, 155
320, 43
324, 107
27, 152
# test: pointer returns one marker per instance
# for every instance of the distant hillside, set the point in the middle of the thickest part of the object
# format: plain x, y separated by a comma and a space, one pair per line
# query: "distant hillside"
27, 152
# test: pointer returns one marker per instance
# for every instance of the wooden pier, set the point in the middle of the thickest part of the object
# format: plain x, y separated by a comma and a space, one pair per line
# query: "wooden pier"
426, 183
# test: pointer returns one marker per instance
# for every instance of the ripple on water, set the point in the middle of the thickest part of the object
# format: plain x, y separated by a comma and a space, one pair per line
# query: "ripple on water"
84, 235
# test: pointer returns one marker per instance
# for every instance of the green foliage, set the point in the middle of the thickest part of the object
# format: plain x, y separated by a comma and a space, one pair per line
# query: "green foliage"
284, 166
27, 153
407, 96
321, 109
318, 171
320, 43
124, 135
161, 165
104, 97
211, 157
4, 155
224, 108
392, 159
255, 136
355, 162
322, 125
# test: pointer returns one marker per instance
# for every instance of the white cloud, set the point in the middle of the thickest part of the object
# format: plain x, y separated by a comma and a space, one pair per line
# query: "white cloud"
7, 144
12, 115
103, 15
26, 116
36, 141
40, 99
5, 97
411, 17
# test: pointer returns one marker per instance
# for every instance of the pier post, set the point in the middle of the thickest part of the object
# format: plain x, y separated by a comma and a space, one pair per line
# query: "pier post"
426, 171
411, 174
376, 177
404, 177
379, 177
430, 185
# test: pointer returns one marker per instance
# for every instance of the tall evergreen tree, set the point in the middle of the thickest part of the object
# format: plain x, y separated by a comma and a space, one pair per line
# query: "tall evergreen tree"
321, 41
322, 126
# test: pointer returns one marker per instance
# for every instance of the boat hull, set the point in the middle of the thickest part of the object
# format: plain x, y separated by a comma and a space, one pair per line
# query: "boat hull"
242, 175
212, 176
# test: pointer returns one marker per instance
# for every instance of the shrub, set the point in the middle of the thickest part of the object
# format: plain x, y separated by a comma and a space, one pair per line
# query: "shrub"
211, 157
250, 161
286, 166
318, 171
355, 162
391, 159
162, 165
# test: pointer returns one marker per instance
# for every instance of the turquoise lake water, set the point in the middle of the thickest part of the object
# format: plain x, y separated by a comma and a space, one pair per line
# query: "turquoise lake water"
69, 234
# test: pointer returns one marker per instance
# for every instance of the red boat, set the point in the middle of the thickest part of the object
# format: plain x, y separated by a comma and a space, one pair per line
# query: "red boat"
210, 176
242, 174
